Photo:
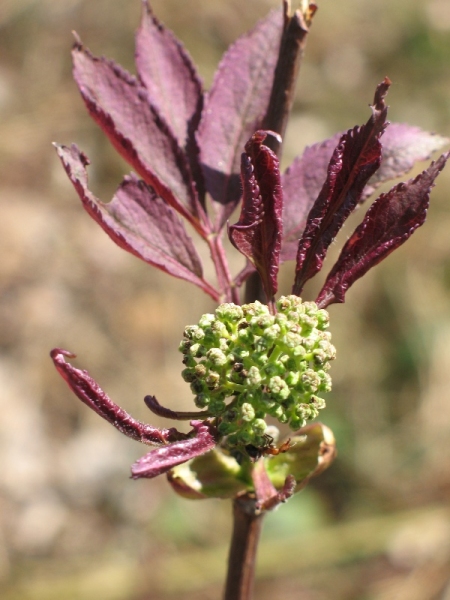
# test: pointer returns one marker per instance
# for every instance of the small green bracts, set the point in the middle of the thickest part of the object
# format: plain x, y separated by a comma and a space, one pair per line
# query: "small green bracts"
244, 364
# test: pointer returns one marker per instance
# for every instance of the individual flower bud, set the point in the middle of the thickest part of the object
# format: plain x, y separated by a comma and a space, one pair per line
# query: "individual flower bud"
259, 426
246, 436
260, 323
307, 322
309, 343
188, 375
225, 428
219, 330
310, 308
274, 368
241, 353
292, 340
310, 380
194, 332
299, 351
281, 320
253, 309
329, 349
197, 387
206, 320
278, 388
325, 381
201, 400
185, 346
323, 319
296, 423
194, 350
319, 403
212, 380
246, 336
253, 378
224, 344
319, 356
303, 411
272, 333
313, 411
247, 412
217, 405
216, 357
285, 303
200, 370
228, 312
292, 378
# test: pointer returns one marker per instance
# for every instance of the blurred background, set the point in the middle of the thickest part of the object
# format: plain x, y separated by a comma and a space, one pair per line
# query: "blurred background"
73, 526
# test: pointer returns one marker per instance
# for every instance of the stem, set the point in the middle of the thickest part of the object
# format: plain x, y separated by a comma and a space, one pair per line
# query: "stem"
247, 522
292, 48
247, 526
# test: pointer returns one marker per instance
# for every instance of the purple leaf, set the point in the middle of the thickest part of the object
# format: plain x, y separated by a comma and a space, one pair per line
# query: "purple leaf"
174, 87
167, 71
121, 106
165, 458
258, 232
389, 222
89, 392
234, 110
354, 161
403, 146
140, 222
302, 182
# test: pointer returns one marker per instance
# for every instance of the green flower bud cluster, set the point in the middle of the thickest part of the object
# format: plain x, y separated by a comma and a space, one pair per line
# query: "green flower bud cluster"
262, 364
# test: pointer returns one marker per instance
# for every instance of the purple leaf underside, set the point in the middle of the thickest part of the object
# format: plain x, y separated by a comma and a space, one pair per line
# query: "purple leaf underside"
89, 392
403, 146
389, 222
167, 457
302, 183
235, 109
121, 107
139, 221
258, 232
354, 161
170, 76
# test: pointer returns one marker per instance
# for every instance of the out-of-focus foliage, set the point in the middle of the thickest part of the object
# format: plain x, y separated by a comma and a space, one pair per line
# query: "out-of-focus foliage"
72, 526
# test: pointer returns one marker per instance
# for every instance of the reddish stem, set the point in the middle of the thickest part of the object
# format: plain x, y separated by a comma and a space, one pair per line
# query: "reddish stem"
244, 544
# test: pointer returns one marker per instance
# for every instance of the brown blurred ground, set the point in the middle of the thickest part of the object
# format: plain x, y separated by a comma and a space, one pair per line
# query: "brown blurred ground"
72, 525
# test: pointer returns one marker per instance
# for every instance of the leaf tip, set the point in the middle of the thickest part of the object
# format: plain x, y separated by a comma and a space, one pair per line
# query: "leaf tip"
57, 353
77, 45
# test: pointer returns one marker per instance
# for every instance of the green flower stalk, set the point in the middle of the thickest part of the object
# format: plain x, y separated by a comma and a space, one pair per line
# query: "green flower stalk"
245, 364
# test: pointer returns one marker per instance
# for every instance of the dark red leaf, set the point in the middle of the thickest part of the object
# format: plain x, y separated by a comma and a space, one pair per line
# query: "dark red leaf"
175, 90
168, 73
140, 222
354, 161
403, 146
165, 458
302, 182
122, 108
258, 232
234, 110
89, 392
389, 222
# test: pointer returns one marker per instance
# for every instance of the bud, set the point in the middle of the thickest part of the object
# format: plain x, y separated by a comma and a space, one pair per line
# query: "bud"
245, 364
